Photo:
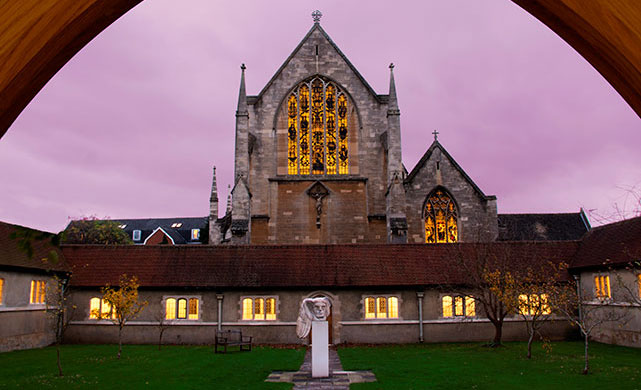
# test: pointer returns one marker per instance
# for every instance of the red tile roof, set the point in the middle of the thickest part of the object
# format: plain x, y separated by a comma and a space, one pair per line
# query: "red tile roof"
613, 244
296, 266
13, 256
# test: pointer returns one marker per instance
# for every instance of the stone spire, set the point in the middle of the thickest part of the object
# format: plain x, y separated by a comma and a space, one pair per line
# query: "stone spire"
213, 199
392, 104
240, 201
214, 229
228, 209
242, 95
395, 196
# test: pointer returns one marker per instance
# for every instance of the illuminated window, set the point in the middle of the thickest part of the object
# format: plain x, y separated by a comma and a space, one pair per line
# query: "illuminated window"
458, 306
259, 309
181, 308
136, 235
99, 308
37, 294
317, 130
176, 224
195, 234
602, 287
638, 285
1, 289
534, 304
170, 309
441, 218
381, 307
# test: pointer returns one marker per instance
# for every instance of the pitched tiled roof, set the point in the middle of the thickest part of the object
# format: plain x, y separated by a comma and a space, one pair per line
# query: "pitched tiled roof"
613, 244
13, 256
542, 227
180, 235
296, 266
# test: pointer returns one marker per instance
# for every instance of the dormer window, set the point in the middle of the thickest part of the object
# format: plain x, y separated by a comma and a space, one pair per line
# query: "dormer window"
176, 224
136, 235
195, 234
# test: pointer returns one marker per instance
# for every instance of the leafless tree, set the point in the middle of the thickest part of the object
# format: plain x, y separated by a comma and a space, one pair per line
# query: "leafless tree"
58, 311
570, 300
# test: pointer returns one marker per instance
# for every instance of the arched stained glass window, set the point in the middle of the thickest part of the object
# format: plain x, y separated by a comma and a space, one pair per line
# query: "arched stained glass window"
317, 130
441, 218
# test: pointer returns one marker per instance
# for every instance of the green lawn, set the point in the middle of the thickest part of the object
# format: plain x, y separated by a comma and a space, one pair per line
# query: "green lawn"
433, 366
472, 366
143, 366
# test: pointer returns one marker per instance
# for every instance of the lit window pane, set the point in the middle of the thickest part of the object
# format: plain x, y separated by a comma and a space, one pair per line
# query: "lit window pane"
545, 306
447, 306
193, 309
32, 293
94, 308
248, 309
393, 307
259, 309
170, 309
523, 305
1, 288
42, 291
639, 284
458, 306
370, 308
470, 307
182, 308
382, 308
105, 309
607, 286
270, 309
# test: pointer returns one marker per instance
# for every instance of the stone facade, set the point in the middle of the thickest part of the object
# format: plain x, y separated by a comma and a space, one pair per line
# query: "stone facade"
24, 325
348, 323
374, 202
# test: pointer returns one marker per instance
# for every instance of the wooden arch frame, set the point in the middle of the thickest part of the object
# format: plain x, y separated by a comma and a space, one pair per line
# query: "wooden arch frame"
40, 36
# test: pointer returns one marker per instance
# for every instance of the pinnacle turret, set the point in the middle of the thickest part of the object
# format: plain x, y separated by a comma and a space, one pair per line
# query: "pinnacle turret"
242, 95
392, 105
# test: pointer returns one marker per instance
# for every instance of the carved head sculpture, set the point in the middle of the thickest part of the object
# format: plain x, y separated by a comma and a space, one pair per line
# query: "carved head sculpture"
311, 309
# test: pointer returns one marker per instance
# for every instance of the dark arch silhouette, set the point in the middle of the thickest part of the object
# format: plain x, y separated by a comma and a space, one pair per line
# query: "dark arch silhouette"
37, 37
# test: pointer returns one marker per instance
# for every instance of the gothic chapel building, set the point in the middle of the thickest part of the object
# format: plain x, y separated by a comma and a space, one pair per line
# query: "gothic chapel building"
322, 205
318, 161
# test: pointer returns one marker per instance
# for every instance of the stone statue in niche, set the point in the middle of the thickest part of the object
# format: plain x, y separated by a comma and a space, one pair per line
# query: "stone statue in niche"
311, 309
317, 192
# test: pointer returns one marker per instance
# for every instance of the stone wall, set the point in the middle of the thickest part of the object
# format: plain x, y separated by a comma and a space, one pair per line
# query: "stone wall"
348, 323
22, 325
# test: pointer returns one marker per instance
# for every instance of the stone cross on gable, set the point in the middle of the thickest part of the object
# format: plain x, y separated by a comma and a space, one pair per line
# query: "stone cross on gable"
436, 133
316, 16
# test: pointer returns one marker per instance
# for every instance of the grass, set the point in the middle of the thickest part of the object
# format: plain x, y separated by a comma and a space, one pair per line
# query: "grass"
143, 366
433, 366
472, 366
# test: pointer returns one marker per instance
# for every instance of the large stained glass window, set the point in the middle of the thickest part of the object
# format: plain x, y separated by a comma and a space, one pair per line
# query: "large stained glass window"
317, 130
441, 218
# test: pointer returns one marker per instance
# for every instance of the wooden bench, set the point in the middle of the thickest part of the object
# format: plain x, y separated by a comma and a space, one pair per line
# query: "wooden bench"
232, 338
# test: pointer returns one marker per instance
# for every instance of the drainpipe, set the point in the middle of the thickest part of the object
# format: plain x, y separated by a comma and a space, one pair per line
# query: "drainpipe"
420, 295
577, 279
220, 311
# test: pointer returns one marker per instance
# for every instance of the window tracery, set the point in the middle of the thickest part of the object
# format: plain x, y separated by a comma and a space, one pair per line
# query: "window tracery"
317, 130
441, 218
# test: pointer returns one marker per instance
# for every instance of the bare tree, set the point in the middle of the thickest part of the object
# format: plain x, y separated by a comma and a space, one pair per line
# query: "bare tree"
527, 293
162, 325
627, 205
569, 299
58, 311
484, 270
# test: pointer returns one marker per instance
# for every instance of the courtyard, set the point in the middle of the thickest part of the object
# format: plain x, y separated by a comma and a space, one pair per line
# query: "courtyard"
436, 366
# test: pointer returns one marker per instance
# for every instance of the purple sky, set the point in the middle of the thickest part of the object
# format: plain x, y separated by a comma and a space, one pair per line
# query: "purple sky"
131, 126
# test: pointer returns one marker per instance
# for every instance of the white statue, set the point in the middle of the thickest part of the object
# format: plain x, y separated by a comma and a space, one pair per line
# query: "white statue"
311, 309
